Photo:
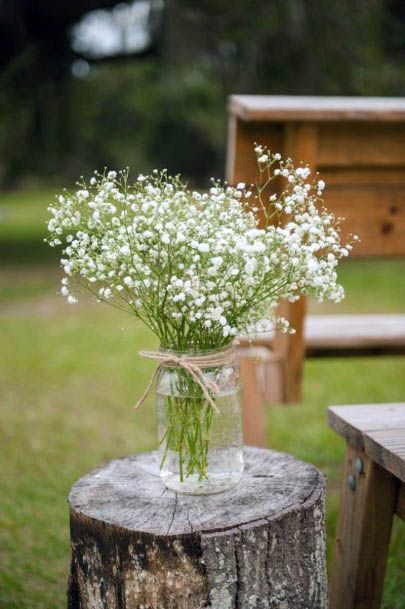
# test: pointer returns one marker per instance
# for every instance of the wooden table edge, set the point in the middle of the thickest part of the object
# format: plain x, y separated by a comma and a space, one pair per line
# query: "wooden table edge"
375, 450
335, 422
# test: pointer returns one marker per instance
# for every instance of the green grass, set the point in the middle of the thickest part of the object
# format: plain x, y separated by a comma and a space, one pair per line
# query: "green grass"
68, 379
372, 286
23, 218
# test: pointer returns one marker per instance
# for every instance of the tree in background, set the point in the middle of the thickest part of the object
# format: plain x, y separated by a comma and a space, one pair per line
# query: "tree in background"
165, 105
40, 111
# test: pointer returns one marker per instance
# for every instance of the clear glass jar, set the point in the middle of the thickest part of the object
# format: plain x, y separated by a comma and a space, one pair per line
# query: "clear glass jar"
200, 448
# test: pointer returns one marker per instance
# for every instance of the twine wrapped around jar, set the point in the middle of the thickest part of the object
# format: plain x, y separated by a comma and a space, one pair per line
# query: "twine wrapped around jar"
194, 365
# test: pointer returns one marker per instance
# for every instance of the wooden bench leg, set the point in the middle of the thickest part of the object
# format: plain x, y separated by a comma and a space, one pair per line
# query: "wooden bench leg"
253, 394
290, 348
301, 144
367, 507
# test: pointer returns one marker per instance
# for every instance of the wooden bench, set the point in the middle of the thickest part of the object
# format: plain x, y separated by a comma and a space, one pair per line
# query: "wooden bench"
373, 490
262, 368
348, 335
358, 144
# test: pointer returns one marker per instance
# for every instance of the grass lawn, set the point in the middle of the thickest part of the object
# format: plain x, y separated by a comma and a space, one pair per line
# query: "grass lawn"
68, 378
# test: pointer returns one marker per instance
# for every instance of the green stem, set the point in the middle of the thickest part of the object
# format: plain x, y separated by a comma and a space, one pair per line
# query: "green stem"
189, 422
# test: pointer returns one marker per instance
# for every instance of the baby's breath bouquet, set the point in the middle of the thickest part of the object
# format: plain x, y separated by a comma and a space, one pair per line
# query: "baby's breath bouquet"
198, 269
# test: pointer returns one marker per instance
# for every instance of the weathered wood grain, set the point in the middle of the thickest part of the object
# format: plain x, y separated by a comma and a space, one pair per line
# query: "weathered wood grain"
352, 422
137, 545
363, 534
387, 448
375, 467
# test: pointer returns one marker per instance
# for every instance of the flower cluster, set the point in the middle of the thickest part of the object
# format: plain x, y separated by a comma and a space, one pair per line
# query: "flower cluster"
199, 268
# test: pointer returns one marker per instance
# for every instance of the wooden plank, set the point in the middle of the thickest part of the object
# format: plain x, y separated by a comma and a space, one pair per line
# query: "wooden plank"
387, 448
290, 350
375, 213
251, 361
372, 201
241, 163
363, 535
273, 379
319, 108
383, 177
347, 334
323, 332
361, 144
351, 422
400, 508
301, 144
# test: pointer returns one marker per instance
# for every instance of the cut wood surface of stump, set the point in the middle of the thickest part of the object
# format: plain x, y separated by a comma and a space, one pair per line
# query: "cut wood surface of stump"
138, 545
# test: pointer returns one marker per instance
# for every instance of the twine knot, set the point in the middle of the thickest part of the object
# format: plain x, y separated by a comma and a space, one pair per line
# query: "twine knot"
194, 365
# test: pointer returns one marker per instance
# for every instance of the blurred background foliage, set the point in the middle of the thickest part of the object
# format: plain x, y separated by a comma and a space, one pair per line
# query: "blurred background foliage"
161, 100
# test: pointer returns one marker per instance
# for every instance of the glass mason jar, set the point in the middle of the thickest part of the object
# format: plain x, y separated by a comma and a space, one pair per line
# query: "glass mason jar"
200, 447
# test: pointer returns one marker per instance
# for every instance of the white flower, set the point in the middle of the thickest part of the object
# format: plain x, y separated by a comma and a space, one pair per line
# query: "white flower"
71, 299
250, 266
226, 330
125, 250
199, 267
312, 264
217, 260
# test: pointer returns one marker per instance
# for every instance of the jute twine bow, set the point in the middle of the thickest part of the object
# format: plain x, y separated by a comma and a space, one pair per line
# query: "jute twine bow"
194, 365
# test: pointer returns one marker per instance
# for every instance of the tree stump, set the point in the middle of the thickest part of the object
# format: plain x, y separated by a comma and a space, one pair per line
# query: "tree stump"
138, 545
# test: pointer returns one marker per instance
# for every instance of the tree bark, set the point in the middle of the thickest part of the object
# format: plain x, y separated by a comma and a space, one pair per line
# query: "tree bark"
138, 545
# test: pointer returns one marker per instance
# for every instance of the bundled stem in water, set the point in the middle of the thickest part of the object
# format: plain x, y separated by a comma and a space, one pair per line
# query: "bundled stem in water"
189, 421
